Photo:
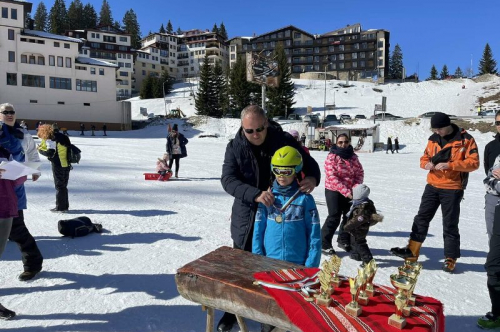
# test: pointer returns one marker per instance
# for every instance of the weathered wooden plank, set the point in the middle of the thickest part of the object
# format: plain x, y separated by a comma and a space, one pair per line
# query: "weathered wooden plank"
222, 279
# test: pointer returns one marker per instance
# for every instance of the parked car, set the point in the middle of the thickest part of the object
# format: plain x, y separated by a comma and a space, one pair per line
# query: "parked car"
331, 120
388, 116
360, 116
311, 118
294, 116
427, 115
487, 113
345, 117
278, 118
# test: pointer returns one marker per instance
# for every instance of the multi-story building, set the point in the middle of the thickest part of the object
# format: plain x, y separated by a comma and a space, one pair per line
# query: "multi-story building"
348, 52
46, 78
111, 45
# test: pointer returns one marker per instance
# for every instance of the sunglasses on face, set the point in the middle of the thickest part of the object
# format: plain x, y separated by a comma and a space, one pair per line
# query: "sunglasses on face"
259, 130
497, 123
342, 142
283, 171
8, 112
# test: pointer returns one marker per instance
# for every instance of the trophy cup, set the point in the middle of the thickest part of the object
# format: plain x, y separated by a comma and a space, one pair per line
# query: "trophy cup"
353, 308
335, 261
415, 267
362, 297
402, 284
371, 269
326, 289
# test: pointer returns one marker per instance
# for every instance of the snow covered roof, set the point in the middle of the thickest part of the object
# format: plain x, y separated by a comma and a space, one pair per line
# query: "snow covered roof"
95, 62
42, 34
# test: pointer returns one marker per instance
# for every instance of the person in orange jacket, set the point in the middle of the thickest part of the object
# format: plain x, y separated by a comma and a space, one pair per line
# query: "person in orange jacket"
451, 154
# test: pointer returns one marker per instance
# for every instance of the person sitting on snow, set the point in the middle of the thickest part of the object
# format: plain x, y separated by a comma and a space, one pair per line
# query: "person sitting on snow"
162, 166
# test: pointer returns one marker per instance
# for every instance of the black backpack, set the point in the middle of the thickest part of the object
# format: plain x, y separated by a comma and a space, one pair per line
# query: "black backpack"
77, 227
74, 154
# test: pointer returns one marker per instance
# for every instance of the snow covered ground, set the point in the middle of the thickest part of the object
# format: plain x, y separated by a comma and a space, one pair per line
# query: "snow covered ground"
123, 280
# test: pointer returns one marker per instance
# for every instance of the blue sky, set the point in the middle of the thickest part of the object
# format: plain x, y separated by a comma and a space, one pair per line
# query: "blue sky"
435, 32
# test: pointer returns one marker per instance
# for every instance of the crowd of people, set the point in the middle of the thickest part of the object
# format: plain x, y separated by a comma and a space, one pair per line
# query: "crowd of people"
271, 176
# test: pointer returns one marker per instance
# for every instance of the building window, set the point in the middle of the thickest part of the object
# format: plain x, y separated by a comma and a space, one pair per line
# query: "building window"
13, 14
52, 60
41, 61
128, 65
86, 85
80, 68
66, 45
5, 12
341, 65
123, 39
11, 79
143, 73
60, 83
33, 101
12, 56
143, 64
92, 71
341, 56
32, 60
124, 73
379, 53
33, 81
362, 64
11, 34
56, 44
68, 62
101, 71
355, 55
152, 66
297, 35
86, 104
60, 61
381, 62
354, 65
60, 103
92, 35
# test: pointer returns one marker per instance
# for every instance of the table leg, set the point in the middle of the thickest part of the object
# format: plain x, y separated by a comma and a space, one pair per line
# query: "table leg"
210, 318
242, 324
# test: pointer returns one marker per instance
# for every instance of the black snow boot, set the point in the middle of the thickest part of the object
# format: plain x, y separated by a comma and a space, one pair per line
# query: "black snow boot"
226, 322
6, 313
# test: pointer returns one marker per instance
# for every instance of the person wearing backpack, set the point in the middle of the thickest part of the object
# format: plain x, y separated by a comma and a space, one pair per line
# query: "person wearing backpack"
61, 167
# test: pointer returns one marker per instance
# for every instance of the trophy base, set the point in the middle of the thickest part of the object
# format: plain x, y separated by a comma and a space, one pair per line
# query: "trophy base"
363, 300
411, 300
397, 322
323, 302
370, 293
352, 311
407, 311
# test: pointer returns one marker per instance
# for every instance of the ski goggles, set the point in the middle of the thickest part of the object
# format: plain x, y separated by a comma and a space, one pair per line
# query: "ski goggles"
283, 171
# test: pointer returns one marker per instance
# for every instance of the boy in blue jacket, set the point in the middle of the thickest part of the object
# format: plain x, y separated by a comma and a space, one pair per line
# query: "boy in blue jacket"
290, 229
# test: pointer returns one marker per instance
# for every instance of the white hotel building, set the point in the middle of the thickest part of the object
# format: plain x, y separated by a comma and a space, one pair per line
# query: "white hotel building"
46, 77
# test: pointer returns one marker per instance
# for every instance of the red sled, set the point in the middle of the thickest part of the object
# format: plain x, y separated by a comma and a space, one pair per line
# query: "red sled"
157, 176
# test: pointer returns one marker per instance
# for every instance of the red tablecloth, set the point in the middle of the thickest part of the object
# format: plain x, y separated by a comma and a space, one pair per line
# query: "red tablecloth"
426, 316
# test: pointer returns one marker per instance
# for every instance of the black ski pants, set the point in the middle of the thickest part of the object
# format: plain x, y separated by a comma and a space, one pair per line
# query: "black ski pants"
177, 158
31, 255
492, 265
360, 247
338, 205
449, 199
61, 178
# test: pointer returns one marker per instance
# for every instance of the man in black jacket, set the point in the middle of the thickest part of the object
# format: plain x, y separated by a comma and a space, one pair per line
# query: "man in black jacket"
246, 175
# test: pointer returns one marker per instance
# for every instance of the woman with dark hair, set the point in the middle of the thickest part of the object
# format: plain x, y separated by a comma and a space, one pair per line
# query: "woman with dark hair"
176, 148
343, 171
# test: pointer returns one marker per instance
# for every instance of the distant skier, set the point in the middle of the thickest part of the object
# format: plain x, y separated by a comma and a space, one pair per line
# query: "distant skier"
396, 145
389, 145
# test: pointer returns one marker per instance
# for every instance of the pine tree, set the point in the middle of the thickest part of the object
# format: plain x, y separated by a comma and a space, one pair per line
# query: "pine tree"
58, 18
40, 19
89, 19
179, 31
396, 63
487, 65
75, 15
105, 16
215, 28
167, 83
239, 90
204, 98
147, 88
162, 29
444, 73
117, 25
219, 87
280, 99
458, 73
131, 26
434, 73
222, 31
170, 28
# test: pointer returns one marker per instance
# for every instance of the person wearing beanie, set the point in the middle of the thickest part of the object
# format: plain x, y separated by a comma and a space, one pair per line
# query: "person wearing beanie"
361, 216
176, 148
451, 154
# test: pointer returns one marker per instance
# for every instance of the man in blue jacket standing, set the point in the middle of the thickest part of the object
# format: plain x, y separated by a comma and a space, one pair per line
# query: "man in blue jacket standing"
246, 176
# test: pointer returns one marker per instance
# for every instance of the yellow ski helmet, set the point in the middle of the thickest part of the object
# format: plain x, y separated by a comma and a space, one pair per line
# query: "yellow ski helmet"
287, 157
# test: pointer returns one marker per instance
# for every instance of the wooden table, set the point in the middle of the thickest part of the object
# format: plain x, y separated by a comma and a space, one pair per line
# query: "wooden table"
223, 280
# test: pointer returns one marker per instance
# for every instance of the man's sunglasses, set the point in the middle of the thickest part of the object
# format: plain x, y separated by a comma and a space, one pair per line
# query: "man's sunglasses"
8, 112
259, 130
497, 123
283, 171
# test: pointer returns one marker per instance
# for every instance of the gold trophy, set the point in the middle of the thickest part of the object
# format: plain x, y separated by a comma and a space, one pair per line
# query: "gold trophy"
402, 284
353, 308
416, 269
335, 261
326, 289
362, 297
371, 268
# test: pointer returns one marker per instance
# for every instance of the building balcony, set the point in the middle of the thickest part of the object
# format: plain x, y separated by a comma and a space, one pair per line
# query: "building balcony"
183, 63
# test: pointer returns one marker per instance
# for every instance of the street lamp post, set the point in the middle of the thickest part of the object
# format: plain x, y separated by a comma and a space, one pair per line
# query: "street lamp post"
324, 103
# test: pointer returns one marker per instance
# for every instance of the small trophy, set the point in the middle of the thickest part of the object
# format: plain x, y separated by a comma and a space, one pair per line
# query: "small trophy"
326, 289
336, 261
402, 284
371, 269
353, 308
362, 297
416, 268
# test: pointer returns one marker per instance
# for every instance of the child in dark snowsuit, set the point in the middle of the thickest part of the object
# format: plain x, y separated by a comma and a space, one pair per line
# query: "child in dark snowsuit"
360, 218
